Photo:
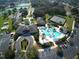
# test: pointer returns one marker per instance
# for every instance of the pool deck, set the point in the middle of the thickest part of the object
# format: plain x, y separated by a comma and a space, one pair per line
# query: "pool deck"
47, 38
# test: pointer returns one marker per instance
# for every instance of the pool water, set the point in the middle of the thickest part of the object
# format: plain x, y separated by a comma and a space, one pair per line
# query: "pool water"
51, 32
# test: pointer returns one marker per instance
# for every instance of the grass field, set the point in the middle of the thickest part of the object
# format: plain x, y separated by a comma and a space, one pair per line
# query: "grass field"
24, 44
2, 20
69, 23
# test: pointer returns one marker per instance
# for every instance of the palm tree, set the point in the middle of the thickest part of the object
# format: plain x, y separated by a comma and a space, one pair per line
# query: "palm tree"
46, 19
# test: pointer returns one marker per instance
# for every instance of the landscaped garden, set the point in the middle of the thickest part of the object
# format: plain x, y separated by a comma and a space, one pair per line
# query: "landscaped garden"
24, 44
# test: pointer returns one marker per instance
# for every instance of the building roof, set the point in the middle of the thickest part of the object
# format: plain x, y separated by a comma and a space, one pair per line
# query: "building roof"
4, 42
22, 30
58, 20
21, 38
33, 28
26, 30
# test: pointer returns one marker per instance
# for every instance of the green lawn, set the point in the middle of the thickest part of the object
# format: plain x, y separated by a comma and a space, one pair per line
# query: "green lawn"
10, 23
47, 17
69, 23
2, 20
33, 21
24, 44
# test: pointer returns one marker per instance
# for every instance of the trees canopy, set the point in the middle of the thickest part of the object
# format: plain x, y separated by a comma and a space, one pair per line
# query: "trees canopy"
9, 54
32, 53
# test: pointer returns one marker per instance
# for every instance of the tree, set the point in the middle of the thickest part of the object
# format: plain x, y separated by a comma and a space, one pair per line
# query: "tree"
14, 10
47, 18
32, 53
39, 12
75, 11
36, 36
39, 3
9, 54
24, 12
16, 36
5, 15
9, 12
59, 52
77, 56
12, 5
21, 10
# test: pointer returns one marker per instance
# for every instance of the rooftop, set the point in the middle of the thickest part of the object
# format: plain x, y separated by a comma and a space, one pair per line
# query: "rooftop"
26, 30
58, 20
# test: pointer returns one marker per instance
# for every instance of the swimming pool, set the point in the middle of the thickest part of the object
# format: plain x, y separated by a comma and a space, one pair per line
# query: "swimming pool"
51, 32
